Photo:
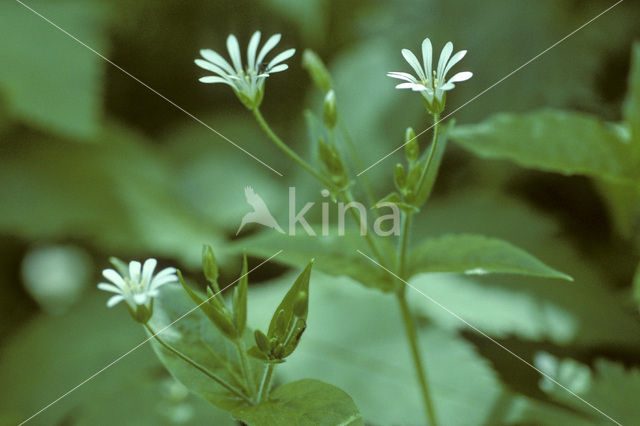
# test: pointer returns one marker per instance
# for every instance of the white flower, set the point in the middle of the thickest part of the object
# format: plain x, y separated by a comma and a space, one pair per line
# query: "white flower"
429, 82
247, 82
137, 287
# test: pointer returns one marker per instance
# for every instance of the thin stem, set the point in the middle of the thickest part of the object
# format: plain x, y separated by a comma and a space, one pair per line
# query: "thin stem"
244, 365
263, 392
364, 179
284, 147
348, 198
402, 244
434, 144
410, 329
196, 365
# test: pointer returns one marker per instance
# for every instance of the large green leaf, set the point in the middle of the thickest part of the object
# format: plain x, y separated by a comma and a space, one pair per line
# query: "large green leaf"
334, 254
557, 141
49, 79
304, 402
49, 355
195, 336
475, 254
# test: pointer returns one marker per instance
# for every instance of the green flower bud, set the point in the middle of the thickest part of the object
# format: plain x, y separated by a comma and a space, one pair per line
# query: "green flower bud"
209, 265
318, 72
301, 304
400, 177
333, 163
411, 148
330, 114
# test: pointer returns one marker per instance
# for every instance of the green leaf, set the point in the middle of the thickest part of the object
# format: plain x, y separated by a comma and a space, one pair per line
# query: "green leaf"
632, 102
53, 81
304, 402
195, 336
333, 254
240, 298
476, 254
556, 141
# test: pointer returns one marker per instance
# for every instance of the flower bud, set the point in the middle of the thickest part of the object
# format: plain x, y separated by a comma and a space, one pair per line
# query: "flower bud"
318, 72
209, 264
400, 177
411, 148
301, 305
330, 114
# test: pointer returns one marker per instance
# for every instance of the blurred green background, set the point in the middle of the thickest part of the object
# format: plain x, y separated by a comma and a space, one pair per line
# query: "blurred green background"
93, 164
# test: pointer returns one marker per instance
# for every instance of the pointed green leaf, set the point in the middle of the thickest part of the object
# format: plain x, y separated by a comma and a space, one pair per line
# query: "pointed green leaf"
476, 254
555, 141
305, 402
285, 309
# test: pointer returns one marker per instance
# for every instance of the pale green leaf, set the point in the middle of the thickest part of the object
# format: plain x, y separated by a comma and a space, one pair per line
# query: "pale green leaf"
476, 254
48, 78
556, 141
305, 402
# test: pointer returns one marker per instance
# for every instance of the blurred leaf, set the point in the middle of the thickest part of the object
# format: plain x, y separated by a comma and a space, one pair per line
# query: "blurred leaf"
476, 254
632, 103
527, 411
609, 387
557, 141
310, 16
197, 338
117, 193
624, 206
335, 255
53, 81
354, 340
50, 355
304, 402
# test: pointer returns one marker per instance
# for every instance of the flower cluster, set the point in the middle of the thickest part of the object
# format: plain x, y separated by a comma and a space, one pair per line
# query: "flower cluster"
432, 84
137, 286
247, 83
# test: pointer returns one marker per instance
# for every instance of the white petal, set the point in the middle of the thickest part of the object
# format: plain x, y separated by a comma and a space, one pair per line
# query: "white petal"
402, 76
140, 298
454, 60
234, 52
427, 56
277, 68
114, 277
216, 59
210, 67
253, 49
270, 44
148, 268
166, 271
461, 76
405, 86
420, 88
134, 270
114, 300
444, 57
413, 61
159, 282
281, 57
447, 86
439, 94
109, 287
213, 79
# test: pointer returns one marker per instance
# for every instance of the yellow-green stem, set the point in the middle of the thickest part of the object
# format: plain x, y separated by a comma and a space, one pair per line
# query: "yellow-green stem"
434, 144
263, 392
244, 365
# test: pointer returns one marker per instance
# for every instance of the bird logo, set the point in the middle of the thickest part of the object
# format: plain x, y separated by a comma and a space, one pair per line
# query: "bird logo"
260, 213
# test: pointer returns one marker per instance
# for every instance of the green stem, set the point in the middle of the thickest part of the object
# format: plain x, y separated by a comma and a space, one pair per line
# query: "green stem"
263, 392
284, 147
410, 329
364, 179
196, 365
348, 198
244, 365
434, 144
402, 244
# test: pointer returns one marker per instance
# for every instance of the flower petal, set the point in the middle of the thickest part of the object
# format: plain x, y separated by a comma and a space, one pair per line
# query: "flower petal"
216, 59
444, 58
134, 270
461, 76
234, 52
413, 61
405, 86
281, 57
114, 300
277, 68
109, 287
114, 277
159, 282
454, 60
148, 268
214, 79
402, 76
447, 86
427, 56
210, 67
140, 298
253, 49
270, 44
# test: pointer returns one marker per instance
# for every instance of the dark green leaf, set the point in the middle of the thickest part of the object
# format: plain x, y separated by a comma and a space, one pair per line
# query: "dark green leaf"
305, 402
556, 141
632, 103
476, 254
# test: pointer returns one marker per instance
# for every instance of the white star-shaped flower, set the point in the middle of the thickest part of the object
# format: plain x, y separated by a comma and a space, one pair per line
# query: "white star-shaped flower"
138, 287
432, 84
247, 82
